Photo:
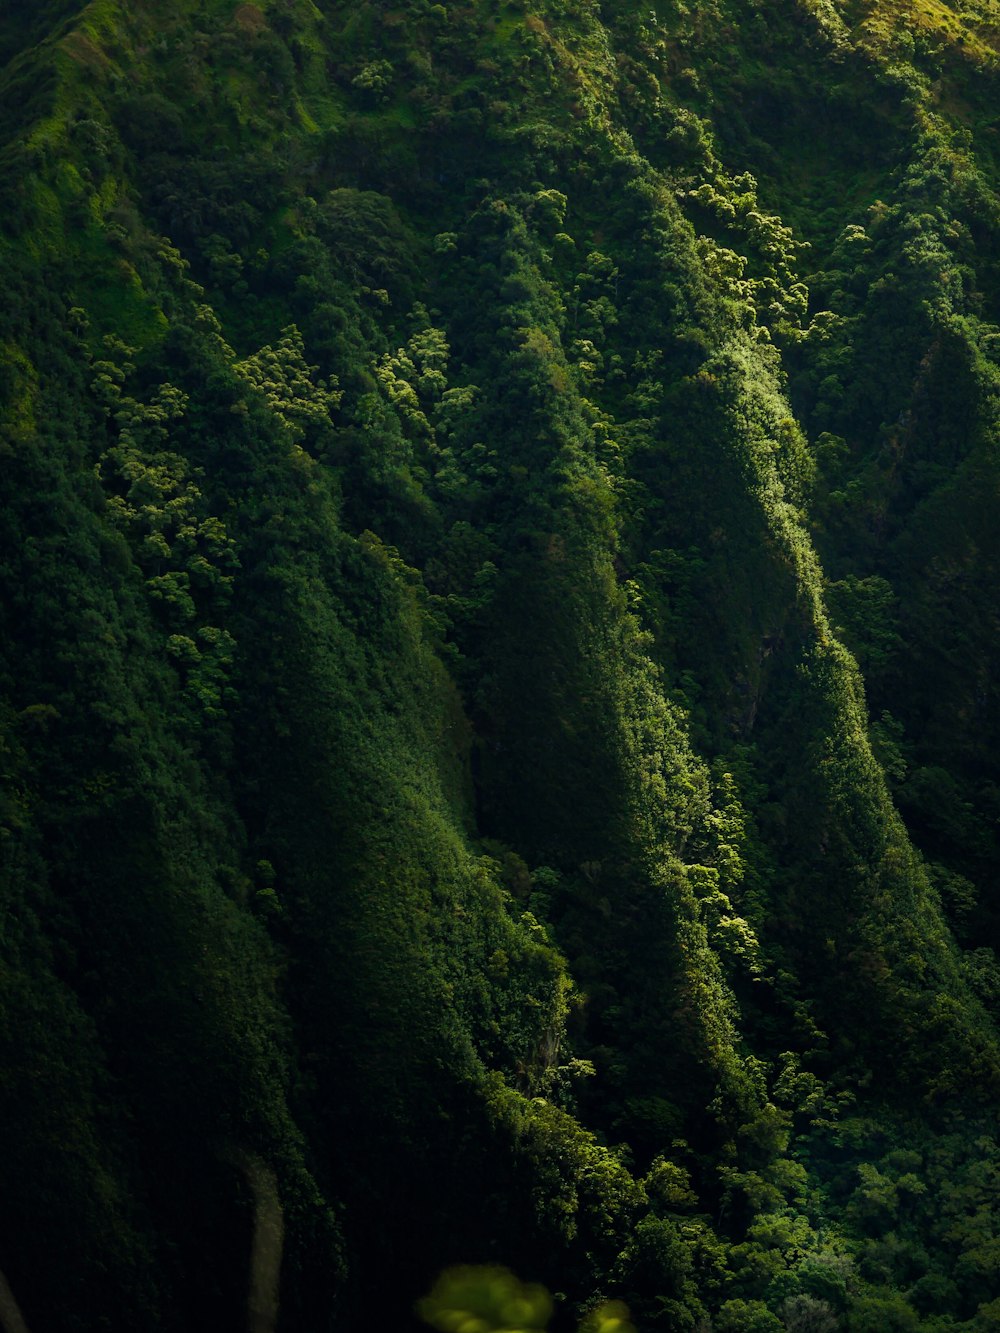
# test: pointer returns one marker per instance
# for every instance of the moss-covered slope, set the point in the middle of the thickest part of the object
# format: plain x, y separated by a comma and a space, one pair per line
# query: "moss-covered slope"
497, 661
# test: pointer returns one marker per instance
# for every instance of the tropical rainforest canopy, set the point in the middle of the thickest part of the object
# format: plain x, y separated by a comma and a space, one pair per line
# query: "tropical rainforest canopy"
500, 664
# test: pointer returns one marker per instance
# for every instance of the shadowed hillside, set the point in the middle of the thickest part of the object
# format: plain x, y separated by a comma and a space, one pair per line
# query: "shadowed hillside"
499, 662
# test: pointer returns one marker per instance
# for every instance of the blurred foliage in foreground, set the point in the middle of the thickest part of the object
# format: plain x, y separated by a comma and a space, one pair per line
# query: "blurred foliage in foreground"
492, 1300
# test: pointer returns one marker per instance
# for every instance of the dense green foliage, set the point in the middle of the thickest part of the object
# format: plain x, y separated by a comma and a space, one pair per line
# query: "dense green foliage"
499, 663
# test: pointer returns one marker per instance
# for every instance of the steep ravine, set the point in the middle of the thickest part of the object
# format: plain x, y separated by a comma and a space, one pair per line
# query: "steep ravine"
497, 662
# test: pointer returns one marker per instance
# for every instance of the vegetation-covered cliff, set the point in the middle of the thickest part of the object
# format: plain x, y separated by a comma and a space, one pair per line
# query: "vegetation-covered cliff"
499, 682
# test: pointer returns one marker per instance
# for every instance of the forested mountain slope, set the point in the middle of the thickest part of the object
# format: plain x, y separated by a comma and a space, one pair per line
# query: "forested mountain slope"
499, 683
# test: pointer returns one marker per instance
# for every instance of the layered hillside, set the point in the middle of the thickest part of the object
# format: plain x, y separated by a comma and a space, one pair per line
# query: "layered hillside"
499, 662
